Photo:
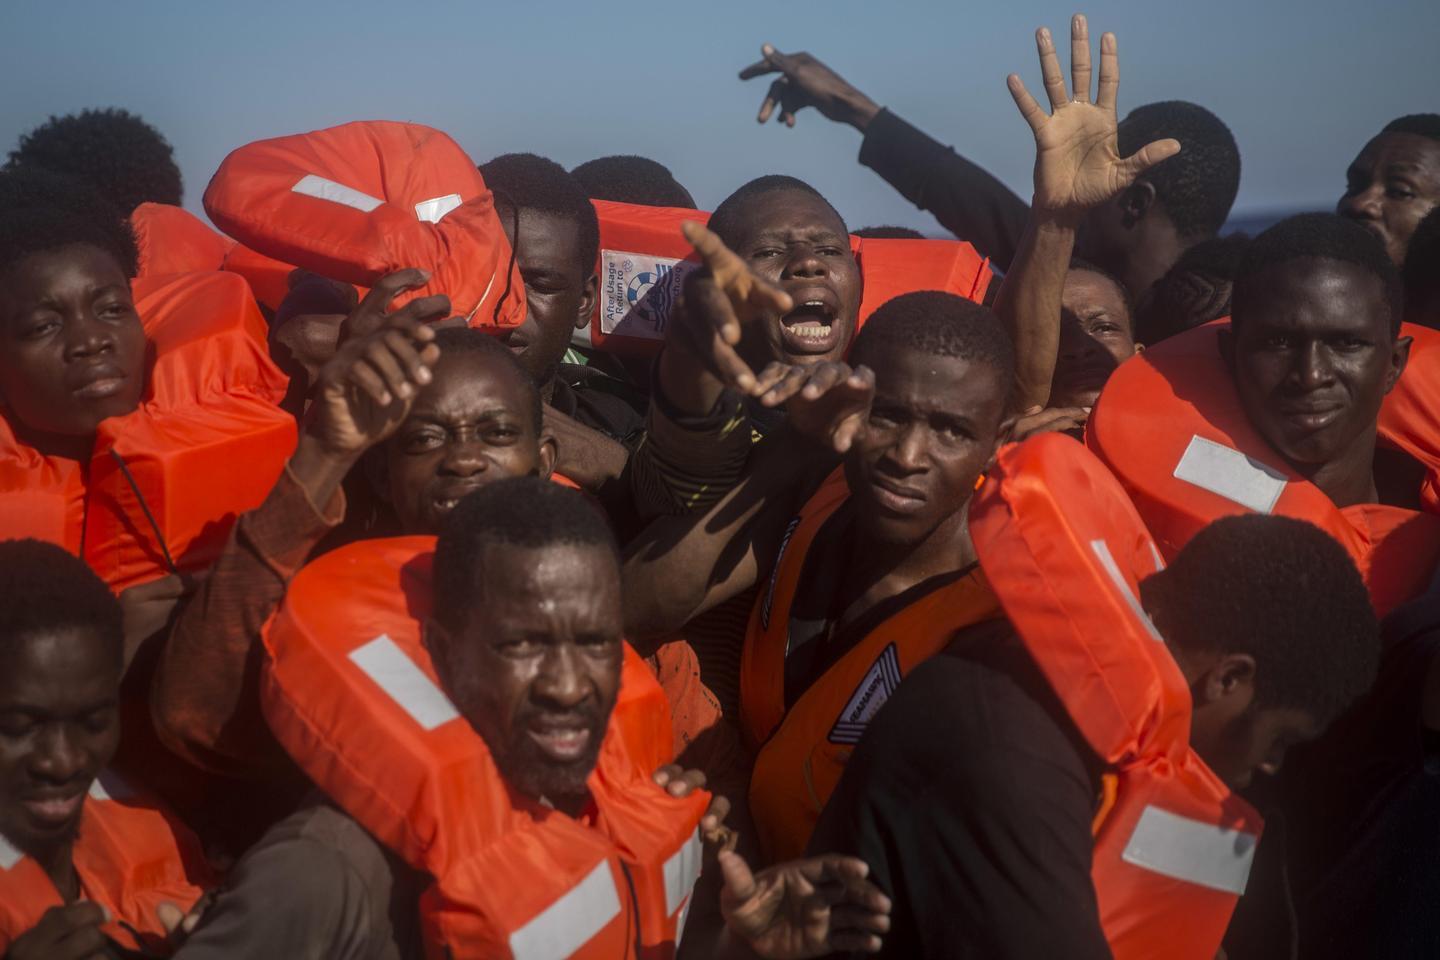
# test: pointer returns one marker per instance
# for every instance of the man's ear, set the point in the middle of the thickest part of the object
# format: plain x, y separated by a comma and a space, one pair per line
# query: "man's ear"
1399, 357
549, 453
1139, 348
1136, 202
587, 301
1230, 679
1003, 435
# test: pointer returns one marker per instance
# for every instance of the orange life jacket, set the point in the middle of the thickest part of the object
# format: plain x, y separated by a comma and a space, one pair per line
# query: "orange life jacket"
350, 692
644, 259
130, 857
269, 278
1170, 426
173, 240
803, 750
1065, 551
364, 199
205, 444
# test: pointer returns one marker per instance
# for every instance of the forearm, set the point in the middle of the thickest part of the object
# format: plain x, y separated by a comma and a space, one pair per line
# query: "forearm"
967, 200
688, 462
1029, 304
205, 694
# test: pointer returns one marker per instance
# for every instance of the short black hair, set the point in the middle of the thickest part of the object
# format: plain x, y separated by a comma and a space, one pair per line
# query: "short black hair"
1195, 291
725, 222
1198, 185
1321, 236
518, 511
1282, 591
128, 160
943, 325
454, 340
41, 211
889, 233
626, 178
1085, 266
44, 589
1420, 124
1421, 273
525, 181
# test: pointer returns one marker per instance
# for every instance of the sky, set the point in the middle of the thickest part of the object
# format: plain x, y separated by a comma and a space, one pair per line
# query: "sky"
1302, 83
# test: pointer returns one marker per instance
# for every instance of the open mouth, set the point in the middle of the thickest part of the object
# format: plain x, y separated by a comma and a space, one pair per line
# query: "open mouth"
447, 499
564, 744
810, 328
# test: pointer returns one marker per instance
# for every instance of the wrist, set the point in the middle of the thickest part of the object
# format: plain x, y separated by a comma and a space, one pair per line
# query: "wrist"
684, 382
319, 468
862, 110
1056, 222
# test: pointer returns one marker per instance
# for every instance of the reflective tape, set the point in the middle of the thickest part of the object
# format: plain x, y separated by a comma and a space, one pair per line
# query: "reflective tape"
568, 924
9, 854
399, 676
1200, 853
109, 786
312, 186
434, 209
681, 872
1231, 474
1107, 560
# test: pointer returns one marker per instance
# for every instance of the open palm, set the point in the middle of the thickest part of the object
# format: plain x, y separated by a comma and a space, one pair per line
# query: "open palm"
1077, 157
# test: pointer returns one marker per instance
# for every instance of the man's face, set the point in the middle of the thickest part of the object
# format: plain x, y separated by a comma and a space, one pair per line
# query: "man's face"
559, 293
1095, 338
59, 726
536, 670
1390, 187
1313, 358
472, 424
794, 240
73, 348
933, 430
1253, 739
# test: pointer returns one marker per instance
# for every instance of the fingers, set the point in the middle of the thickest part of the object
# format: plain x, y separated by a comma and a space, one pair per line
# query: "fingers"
170, 916
719, 259
1080, 58
773, 96
789, 385
739, 881
850, 917
715, 815
1050, 69
371, 311
1109, 72
1147, 156
1029, 108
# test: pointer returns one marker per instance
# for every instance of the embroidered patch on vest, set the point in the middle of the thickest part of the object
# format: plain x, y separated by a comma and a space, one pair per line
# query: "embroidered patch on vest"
775, 576
879, 682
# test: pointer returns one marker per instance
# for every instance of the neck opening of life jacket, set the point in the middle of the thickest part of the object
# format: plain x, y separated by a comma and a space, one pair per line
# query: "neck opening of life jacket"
165, 482
1065, 552
364, 199
803, 749
129, 855
1170, 426
644, 259
351, 694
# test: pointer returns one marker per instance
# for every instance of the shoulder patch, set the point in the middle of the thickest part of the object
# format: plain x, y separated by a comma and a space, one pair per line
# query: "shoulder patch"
879, 682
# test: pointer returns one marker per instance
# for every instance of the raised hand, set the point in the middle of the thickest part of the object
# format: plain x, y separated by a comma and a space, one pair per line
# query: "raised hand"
1077, 158
806, 82
826, 402
718, 302
70, 932
384, 359
803, 908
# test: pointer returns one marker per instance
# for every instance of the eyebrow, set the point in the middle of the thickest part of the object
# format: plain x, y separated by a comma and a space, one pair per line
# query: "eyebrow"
813, 234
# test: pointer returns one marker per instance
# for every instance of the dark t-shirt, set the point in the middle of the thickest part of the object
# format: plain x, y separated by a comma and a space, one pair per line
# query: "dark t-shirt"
971, 797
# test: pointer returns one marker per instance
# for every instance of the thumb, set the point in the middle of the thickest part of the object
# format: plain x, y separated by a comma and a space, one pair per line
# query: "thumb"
776, 57
1149, 155
170, 916
739, 881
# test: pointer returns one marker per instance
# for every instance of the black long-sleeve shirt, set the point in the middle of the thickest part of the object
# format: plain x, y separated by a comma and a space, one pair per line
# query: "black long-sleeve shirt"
971, 797
967, 200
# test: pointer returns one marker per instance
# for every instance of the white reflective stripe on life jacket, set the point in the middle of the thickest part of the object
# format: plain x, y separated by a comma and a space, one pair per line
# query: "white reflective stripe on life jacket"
405, 683
1200, 853
9, 854
1231, 474
681, 872
1107, 560
434, 209
568, 923
314, 186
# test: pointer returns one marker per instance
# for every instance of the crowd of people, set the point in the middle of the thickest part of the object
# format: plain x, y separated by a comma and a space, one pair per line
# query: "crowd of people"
500, 561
